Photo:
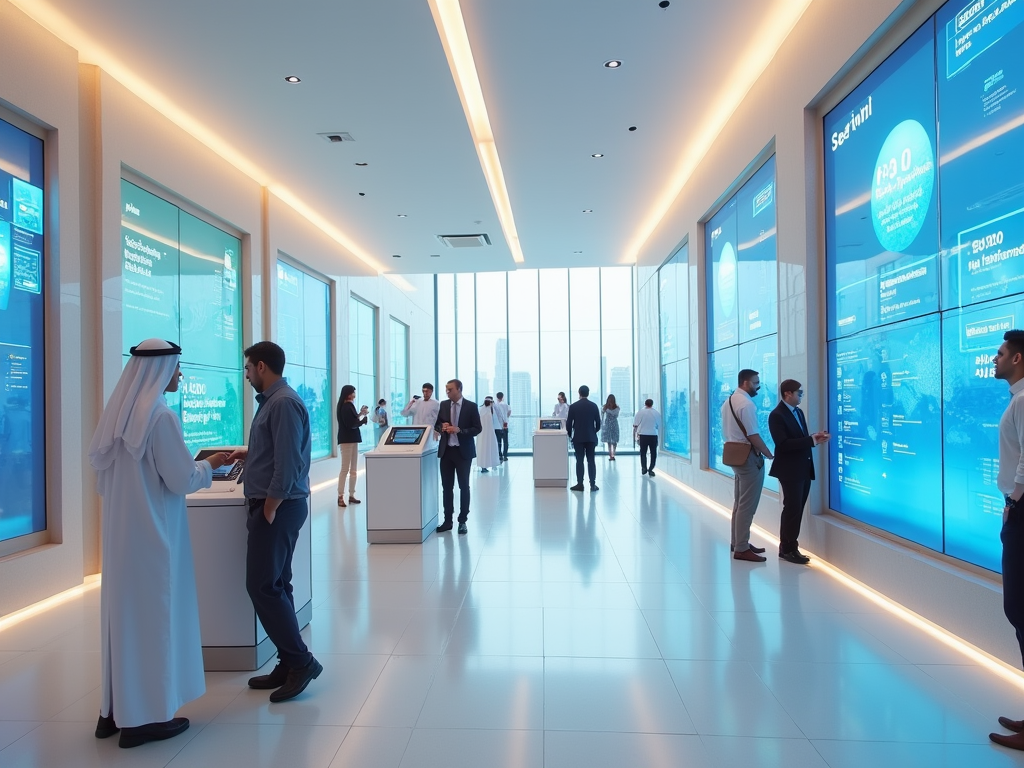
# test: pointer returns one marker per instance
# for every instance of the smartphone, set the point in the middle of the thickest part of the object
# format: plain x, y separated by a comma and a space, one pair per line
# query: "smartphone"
416, 397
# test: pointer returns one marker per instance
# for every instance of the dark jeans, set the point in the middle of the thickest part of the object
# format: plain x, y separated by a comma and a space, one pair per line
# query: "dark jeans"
502, 435
1012, 537
585, 449
454, 465
648, 442
794, 497
268, 576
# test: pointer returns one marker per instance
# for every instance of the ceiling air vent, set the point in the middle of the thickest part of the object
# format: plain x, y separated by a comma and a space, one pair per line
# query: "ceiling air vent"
465, 241
336, 137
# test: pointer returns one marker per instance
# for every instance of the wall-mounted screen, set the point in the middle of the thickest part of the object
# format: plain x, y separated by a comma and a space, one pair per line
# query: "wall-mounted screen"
886, 457
22, 448
674, 333
180, 282
929, 223
742, 276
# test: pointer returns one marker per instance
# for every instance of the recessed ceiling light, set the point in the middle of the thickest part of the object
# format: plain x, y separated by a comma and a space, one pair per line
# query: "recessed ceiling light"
613, 64
292, 79
588, 210
632, 127
577, 251
362, 194
362, 165
598, 154
396, 256
435, 255
664, 4
402, 216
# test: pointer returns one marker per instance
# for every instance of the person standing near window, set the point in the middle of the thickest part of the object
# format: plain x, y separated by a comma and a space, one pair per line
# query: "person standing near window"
561, 410
349, 438
610, 426
380, 419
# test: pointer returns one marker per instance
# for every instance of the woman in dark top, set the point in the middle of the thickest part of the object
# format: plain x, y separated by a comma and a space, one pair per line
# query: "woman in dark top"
349, 438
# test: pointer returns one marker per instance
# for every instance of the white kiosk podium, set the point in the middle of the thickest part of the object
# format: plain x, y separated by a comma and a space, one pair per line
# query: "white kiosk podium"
550, 454
233, 638
401, 486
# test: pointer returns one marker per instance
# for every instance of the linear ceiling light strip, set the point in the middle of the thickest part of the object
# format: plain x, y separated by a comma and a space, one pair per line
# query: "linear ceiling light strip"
452, 29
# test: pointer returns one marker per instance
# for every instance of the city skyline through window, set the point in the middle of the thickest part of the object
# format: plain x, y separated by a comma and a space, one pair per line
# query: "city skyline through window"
531, 334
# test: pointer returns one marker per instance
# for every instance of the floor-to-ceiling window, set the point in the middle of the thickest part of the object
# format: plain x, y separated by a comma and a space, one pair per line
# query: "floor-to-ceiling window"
362, 360
399, 369
674, 327
303, 331
534, 333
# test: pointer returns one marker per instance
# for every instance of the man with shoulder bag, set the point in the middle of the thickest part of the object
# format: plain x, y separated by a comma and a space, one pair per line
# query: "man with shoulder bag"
745, 452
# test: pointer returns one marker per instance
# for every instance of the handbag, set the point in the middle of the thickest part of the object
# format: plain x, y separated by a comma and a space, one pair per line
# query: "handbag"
736, 454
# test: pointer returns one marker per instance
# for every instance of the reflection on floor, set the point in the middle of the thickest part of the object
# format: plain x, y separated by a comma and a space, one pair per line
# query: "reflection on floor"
566, 629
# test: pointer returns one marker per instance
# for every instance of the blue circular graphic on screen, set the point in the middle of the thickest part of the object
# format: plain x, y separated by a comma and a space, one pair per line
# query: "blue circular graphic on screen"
901, 190
727, 280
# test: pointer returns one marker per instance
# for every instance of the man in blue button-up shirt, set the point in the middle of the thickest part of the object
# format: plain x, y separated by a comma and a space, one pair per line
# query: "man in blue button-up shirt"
276, 486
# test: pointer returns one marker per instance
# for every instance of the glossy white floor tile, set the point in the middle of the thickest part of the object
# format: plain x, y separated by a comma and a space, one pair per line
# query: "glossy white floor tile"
566, 629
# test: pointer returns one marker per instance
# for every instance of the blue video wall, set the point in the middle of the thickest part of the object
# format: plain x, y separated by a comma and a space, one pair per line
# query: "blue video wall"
180, 282
742, 284
674, 327
22, 404
925, 250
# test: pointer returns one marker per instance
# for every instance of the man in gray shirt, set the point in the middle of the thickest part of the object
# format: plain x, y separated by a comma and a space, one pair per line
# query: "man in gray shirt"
276, 486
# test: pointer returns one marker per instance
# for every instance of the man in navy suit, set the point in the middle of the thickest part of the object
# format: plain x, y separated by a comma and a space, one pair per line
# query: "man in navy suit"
793, 465
458, 422
583, 423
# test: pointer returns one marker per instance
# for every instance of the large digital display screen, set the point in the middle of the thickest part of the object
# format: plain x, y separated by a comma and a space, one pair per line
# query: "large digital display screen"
886, 420
742, 284
303, 318
981, 111
928, 223
973, 402
880, 194
22, 404
674, 333
180, 282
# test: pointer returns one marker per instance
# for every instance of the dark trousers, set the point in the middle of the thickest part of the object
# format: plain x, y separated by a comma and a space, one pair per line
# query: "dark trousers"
268, 576
648, 442
585, 449
794, 497
502, 435
1012, 537
453, 465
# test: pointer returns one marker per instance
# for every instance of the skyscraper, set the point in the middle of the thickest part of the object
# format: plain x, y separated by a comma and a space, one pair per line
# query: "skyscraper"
520, 399
501, 367
621, 385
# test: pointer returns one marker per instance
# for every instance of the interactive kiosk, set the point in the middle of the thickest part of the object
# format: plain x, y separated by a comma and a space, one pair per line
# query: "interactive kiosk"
233, 638
550, 454
401, 486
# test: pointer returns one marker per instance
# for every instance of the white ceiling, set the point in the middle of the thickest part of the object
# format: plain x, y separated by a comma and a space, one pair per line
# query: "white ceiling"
376, 68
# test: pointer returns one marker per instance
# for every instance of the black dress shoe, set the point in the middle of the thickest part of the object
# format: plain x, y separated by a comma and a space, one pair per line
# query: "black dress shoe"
643, 471
758, 550
275, 679
594, 487
445, 526
650, 472
106, 727
297, 681
1014, 741
463, 528
577, 487
1017, 726
796, 557
136, 737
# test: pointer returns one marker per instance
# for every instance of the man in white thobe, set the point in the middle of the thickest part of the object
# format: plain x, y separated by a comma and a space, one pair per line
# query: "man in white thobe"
152, 655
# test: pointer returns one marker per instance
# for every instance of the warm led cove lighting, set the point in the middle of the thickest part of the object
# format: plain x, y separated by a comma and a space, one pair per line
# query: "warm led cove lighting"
88, 583
975, 655
613, 64
292, 79
452, 29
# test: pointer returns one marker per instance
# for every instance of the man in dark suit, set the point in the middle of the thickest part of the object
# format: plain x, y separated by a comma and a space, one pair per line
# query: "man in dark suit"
793, 465
458, 422
583, 424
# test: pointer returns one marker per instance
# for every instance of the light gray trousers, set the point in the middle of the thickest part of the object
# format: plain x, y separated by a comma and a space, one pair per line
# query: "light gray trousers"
748, 481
